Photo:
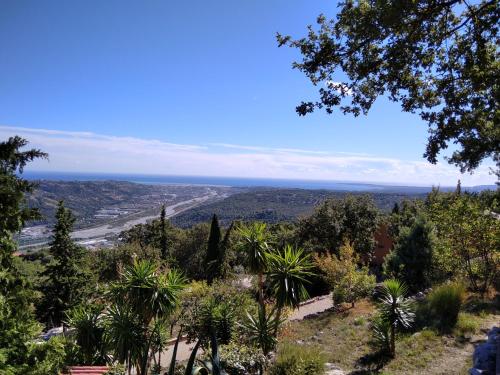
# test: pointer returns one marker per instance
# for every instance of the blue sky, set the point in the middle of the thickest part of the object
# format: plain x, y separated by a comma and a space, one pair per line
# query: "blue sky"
190, 87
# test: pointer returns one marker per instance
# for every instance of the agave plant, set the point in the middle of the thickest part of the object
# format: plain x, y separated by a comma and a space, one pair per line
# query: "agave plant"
395, 309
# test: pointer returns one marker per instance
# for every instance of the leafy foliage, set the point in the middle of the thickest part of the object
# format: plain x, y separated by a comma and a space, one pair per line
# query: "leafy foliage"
436, 58
352, 218
468, 234
342, 274
412, 259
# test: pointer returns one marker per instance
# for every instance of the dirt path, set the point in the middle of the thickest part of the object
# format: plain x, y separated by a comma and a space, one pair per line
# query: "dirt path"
313, 306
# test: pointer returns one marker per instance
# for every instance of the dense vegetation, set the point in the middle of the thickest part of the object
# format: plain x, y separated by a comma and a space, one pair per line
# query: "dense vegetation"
276, 205
121, 305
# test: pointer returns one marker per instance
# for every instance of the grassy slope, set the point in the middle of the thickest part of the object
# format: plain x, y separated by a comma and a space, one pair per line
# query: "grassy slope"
344, 338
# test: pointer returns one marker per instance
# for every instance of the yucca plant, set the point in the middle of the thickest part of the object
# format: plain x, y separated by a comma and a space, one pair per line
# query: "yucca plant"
89, 332
143, 296
395, 309
260, 329
288, 271
381, 334
254, 244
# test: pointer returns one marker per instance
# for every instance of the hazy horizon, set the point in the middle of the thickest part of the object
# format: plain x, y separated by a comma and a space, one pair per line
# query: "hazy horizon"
193, 89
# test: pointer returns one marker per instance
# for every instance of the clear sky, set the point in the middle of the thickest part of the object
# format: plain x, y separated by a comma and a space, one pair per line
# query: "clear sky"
190, 88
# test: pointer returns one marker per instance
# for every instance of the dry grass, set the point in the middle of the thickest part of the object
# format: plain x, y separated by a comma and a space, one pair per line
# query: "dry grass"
344, 338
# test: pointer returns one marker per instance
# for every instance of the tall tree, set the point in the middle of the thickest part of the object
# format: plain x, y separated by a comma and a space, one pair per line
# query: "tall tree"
163, 233
438, 58
411, 260
352, 218
468, 237
213, 250
17, 324
67, 274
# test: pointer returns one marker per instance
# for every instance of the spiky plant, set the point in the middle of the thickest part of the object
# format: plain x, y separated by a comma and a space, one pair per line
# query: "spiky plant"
288, 271
395, 309
260, 329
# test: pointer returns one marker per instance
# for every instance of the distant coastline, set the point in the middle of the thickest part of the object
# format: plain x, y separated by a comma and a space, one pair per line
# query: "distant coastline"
239, 182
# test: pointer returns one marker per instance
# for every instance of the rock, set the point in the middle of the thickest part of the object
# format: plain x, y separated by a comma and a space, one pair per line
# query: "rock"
475, 371
332, 369
420, 296
484, 356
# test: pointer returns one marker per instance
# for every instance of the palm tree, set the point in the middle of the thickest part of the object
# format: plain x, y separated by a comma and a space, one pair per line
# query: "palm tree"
288, 271
143, 296
254, 244
395, 309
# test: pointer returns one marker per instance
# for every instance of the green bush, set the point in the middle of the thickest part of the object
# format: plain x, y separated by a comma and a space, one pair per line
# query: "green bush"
237, 359
298, 360
444, 304
466, 324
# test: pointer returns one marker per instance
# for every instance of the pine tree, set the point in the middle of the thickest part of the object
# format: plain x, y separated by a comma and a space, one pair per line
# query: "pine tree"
163, 234
213, 250
17, 324
67, 275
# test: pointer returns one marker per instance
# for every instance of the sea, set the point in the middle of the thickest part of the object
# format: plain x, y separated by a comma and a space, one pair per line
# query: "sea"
239, 182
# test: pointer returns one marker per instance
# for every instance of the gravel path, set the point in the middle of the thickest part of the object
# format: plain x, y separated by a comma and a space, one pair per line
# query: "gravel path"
313, 306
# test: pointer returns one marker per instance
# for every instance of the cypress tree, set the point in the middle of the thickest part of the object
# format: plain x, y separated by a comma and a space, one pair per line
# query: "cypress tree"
213, 250
163, 233
67, 275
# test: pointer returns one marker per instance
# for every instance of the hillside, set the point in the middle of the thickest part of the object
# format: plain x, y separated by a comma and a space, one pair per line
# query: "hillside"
94, 202
274, 205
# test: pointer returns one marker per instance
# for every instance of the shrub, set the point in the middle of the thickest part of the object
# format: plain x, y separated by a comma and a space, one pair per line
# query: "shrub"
444, 305
354, 286
237, 359
411, 260
341, 273
298, 360
466, 324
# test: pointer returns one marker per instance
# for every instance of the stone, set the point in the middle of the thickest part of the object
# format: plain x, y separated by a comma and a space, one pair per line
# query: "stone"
332, 369
484, 357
